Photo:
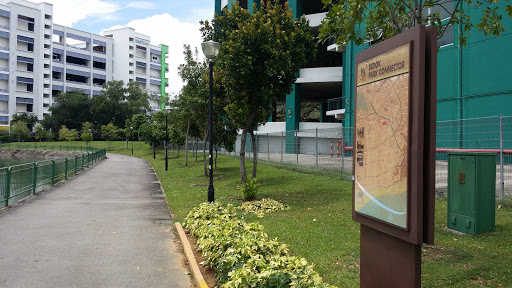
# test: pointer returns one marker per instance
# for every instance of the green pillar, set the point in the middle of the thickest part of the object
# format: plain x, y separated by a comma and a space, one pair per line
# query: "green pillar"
323, 109
292, 112
348, 90
296, 6
217, 6
250, 4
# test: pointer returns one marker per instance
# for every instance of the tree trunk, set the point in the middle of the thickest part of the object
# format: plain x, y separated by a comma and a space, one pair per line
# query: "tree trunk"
204, 151
138, 138
248, 128
197, 144
186, 143
254, 154
243, 175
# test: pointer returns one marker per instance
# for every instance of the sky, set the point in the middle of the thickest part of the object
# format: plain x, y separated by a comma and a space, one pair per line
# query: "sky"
169, 22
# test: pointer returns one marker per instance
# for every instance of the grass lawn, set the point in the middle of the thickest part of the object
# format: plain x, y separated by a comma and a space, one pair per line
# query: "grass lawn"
332, 240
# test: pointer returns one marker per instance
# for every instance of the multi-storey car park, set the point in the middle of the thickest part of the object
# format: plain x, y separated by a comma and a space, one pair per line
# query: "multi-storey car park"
39, 59
473, 80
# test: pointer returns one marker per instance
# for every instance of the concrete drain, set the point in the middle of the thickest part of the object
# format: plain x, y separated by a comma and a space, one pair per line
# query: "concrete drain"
158, 196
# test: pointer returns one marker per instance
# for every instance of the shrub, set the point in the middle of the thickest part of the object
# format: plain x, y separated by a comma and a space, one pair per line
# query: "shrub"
244, 255
259, 208
250, 190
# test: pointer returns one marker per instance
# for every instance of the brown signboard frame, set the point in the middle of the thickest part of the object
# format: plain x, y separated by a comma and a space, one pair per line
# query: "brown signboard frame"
419, 227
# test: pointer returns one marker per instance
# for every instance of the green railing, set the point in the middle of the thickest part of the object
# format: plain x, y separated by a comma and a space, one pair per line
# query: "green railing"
20, 181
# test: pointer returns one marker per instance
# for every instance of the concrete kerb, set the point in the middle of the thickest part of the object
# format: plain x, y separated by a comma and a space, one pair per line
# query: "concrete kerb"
198, 277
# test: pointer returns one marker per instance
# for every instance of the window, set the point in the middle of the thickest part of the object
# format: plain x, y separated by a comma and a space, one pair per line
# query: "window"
445, 9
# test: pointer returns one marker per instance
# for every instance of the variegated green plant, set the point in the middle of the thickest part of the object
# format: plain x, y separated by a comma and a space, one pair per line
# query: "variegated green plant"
243, 254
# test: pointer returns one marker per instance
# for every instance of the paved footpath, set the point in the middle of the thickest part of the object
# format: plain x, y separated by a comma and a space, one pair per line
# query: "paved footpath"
96, 230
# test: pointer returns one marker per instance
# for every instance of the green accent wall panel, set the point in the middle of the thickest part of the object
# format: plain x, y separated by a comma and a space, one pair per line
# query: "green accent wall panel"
447, 110
486, 106
446, 84
164, 81
486, 66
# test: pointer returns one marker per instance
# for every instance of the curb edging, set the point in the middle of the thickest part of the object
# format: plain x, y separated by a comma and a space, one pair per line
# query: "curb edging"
198, 277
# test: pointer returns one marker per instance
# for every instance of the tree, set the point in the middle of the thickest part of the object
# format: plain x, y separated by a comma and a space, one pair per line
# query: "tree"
137, 121
372, 21
50, 135
29, 118
40, 133
193, 99
260, 55
19, 130
109, 132
118, 103
4, 136
73, 108
87, 132
72, 135
154, 132
63, 133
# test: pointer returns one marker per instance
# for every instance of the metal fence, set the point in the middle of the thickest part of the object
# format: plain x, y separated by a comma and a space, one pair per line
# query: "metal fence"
20, 181
329, 151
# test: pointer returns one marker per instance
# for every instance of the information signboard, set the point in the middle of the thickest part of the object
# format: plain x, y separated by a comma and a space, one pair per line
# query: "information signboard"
382, 132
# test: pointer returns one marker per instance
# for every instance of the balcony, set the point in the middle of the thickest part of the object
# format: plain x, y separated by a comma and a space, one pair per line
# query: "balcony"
5, 27
3, 48
334, 108
155, 61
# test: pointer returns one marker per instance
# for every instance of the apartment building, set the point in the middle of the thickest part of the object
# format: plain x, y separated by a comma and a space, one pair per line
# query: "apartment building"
137, 60
39, 59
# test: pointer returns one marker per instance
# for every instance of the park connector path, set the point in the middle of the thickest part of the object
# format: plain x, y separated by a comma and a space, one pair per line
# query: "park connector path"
104, 228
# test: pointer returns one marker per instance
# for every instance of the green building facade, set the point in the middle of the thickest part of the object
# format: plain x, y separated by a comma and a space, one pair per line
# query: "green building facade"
473, 80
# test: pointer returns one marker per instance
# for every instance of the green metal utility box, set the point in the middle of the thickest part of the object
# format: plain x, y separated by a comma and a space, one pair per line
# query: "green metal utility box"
471, 192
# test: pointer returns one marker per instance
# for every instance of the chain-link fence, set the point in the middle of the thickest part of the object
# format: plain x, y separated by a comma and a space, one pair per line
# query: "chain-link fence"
329, 151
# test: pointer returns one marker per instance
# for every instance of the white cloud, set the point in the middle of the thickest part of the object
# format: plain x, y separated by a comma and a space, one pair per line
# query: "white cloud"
141, 5
67, 12
168, 30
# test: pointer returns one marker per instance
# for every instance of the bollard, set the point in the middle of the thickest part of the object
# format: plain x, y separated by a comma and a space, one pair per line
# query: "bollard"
331, 149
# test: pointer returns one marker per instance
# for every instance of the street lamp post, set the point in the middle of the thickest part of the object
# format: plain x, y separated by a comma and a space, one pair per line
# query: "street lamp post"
131, 137
90, 134
210, 50
166, 141
153, 145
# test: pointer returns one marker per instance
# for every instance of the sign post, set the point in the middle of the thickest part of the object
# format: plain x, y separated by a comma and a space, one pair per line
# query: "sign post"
394, 142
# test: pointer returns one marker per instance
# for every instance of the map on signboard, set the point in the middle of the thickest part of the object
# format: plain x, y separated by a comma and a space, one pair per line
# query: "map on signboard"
381, 134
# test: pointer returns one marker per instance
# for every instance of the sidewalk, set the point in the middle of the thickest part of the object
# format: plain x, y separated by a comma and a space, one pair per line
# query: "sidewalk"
96, 230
